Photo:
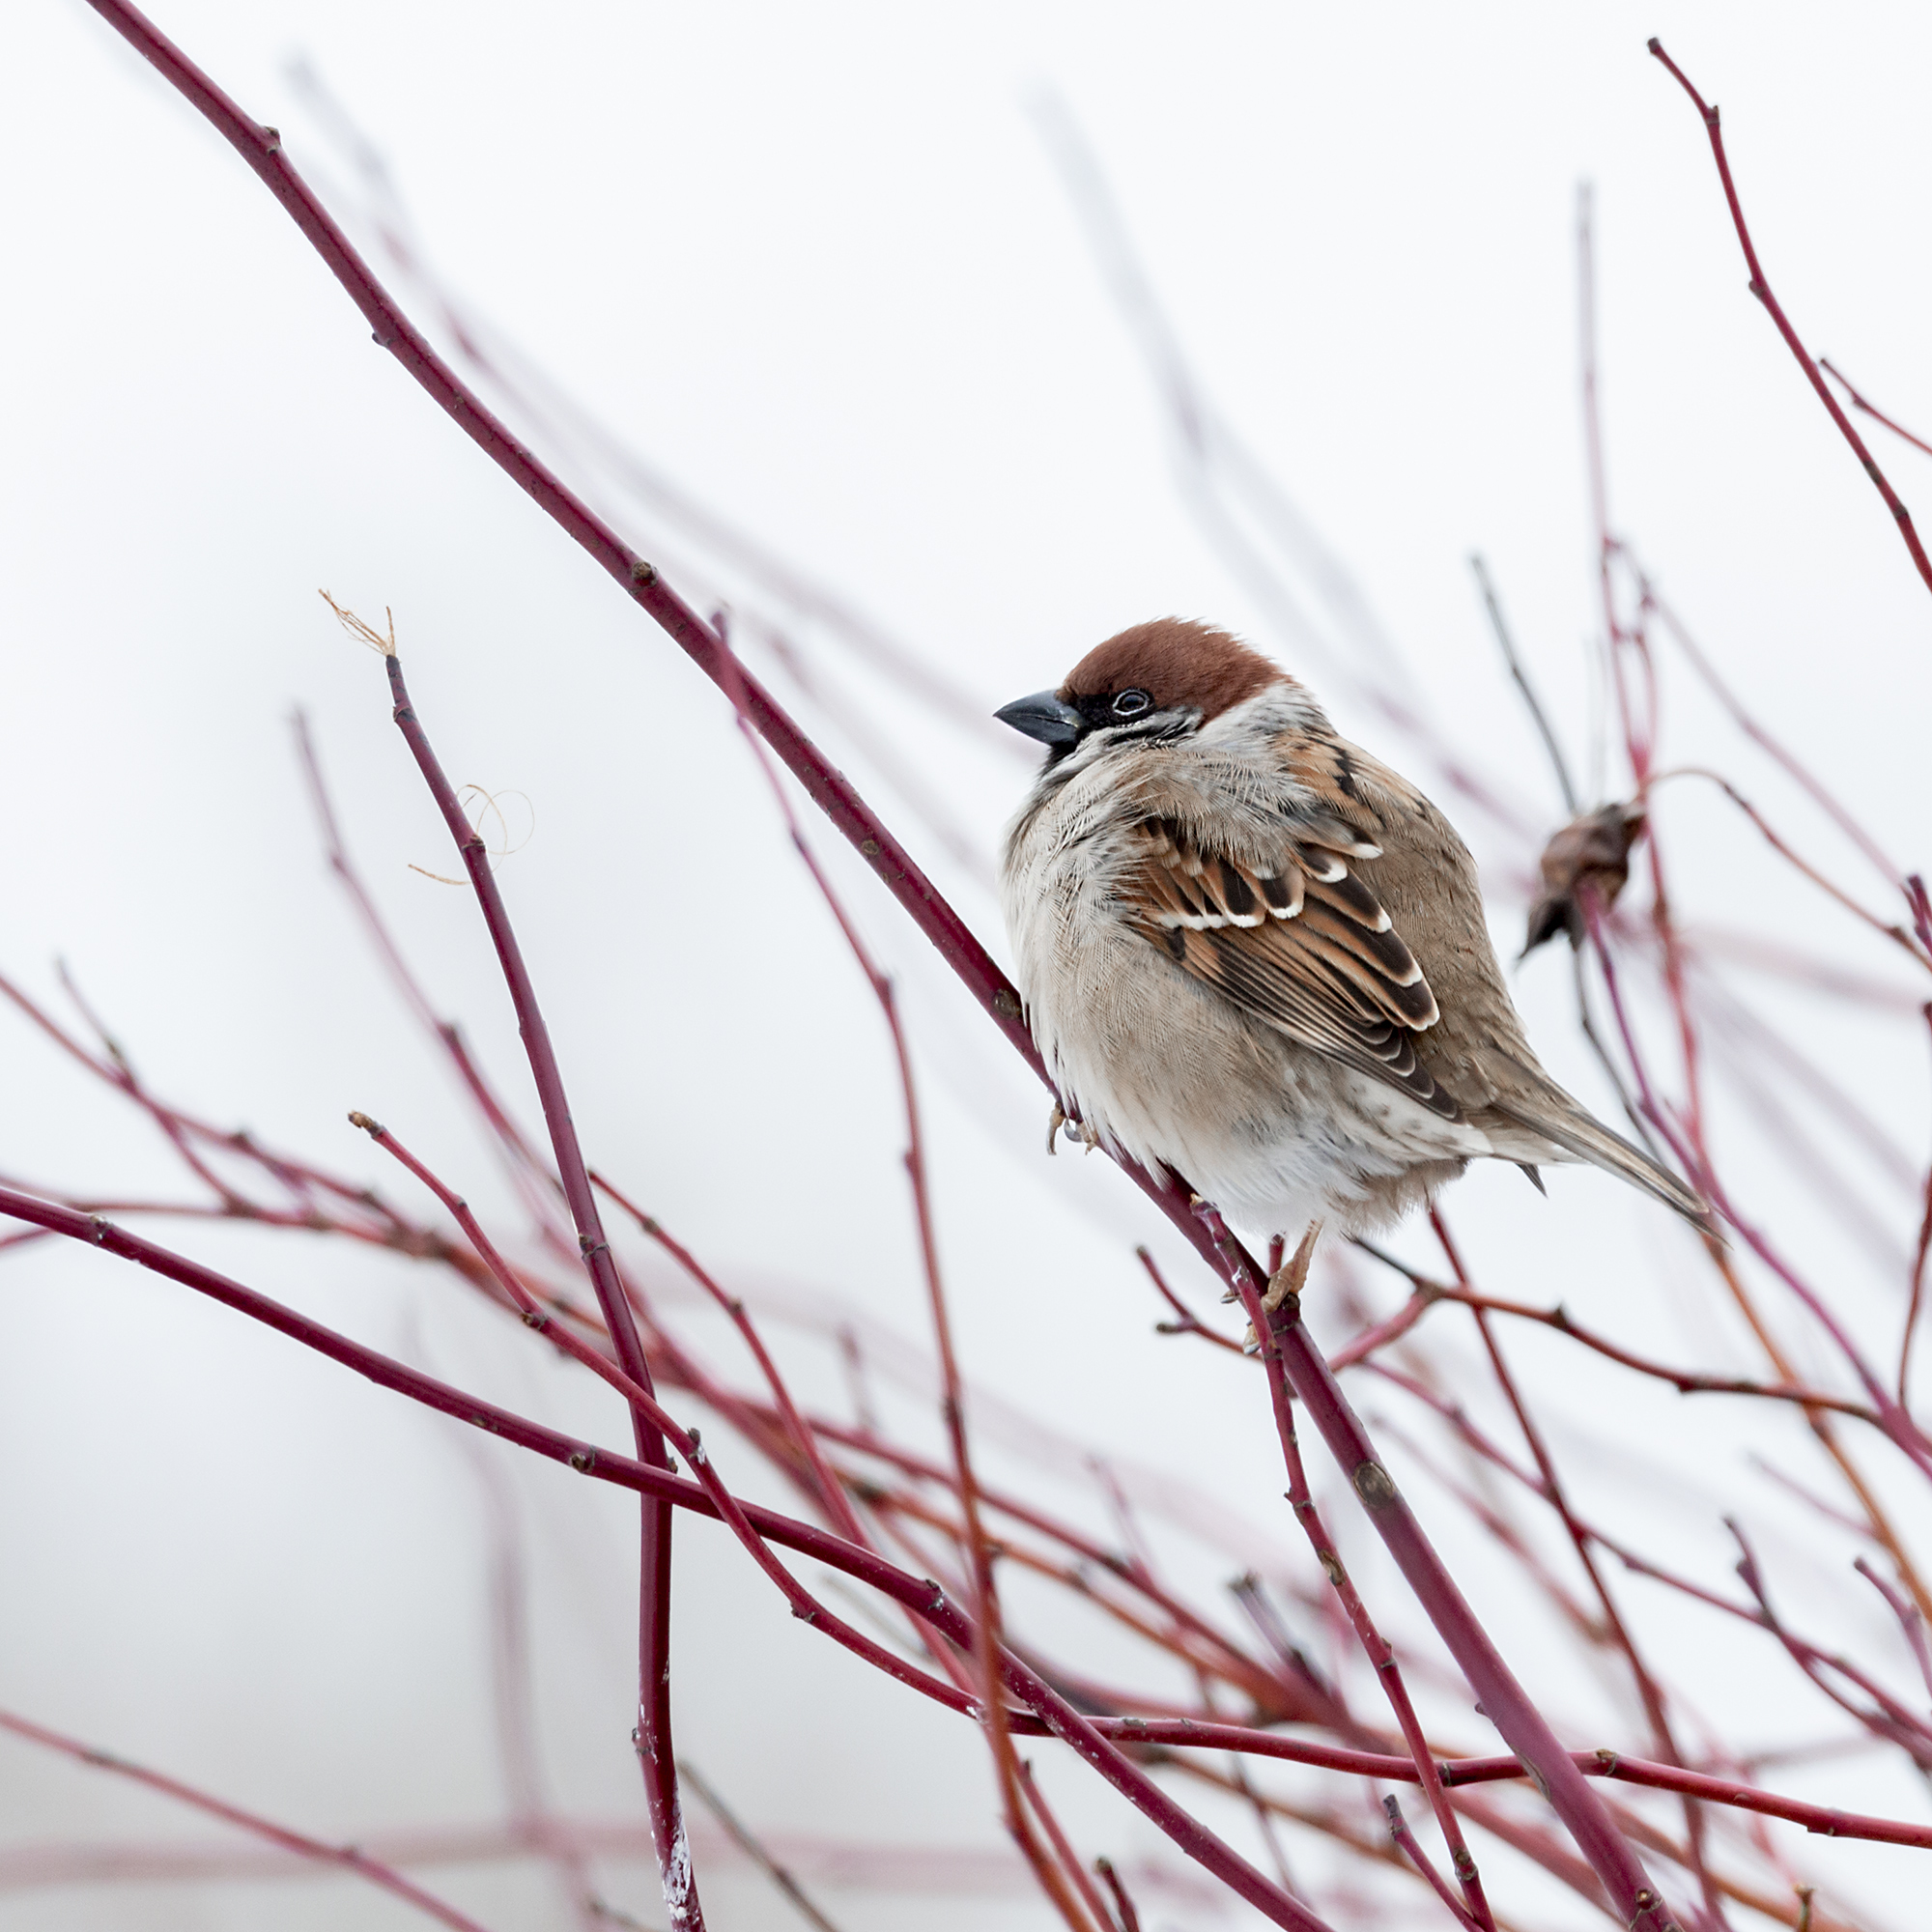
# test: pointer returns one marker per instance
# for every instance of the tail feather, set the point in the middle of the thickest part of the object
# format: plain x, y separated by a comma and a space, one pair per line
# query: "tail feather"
1559, 1120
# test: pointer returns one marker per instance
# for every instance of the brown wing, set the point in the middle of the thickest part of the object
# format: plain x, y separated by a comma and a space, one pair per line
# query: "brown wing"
1302, 944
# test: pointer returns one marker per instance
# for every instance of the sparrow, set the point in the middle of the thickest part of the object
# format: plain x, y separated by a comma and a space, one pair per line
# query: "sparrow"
1251, 953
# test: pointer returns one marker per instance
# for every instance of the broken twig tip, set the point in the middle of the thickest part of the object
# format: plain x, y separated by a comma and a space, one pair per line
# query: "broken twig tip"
377, 641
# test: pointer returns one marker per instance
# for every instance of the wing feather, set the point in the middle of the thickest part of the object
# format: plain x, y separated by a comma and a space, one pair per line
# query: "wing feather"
1300, 942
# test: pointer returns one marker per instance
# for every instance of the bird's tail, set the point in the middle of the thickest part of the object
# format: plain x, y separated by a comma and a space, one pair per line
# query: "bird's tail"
1559, 1119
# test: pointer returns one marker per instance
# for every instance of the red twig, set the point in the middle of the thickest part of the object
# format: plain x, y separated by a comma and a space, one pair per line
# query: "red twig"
1503, 1700
1890, 1719
1404, 1840
344, 1856
1253, 1597
643, 1403
825, 1486
1775, 748
830, 1490
1301, 1695
1649, 1691
1761, 289
1922, 1250
1911, 1620
1877, 414
1375, 1647
1096, 1912
1906, 1433
1059, 1884
1185, 1321
652, 1735
1899, 935
1686, 1381
1124, 1906
1398, 1324
748, 1844
537, 1186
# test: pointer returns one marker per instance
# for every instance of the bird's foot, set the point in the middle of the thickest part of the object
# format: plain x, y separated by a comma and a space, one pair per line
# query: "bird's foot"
1083, 1131
1054, 1123
1292, 1277
1285, 1286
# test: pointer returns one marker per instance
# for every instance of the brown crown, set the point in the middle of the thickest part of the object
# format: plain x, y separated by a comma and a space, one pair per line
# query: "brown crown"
1176, 663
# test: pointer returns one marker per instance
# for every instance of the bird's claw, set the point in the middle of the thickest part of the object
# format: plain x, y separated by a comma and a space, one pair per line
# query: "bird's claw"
1083, 1131
1292, 1277
1285, 1284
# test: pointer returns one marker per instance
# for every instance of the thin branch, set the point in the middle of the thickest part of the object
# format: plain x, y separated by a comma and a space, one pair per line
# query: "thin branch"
1650, 1694
644, 1404
533, 1181
831, 1493
1124, 1906
748, 1843
1871, 409
1685, 1381
1911, 1620
1374, 1646
1095, 1914
1899, 935
1761, 289
1185, 1321
1686, 1143
1889, 1719
653, 1735
1922, 1251
1558, 763
1503, 1700
1761, 736
1405, 1841
1061, 1886
346, 1858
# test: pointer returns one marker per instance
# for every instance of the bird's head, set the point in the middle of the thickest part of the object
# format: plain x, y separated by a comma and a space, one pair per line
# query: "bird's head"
1160, 680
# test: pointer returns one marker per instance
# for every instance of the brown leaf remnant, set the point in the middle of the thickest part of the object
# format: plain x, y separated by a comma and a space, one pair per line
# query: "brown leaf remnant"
1593, 850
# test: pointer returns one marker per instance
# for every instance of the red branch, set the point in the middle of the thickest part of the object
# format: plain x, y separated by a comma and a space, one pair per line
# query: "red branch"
1876, 413
345, 1856
652, 1735
1503, 1700
1374, 1646
1761, 289
1061, 1884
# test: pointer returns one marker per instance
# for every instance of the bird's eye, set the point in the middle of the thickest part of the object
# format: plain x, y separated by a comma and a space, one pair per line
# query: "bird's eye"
1132, 703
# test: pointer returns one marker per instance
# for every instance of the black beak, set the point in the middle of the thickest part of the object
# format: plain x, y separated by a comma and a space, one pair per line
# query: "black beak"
1044, 717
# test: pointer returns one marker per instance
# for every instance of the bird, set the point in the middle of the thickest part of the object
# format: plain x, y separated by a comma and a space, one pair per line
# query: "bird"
1252, 954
